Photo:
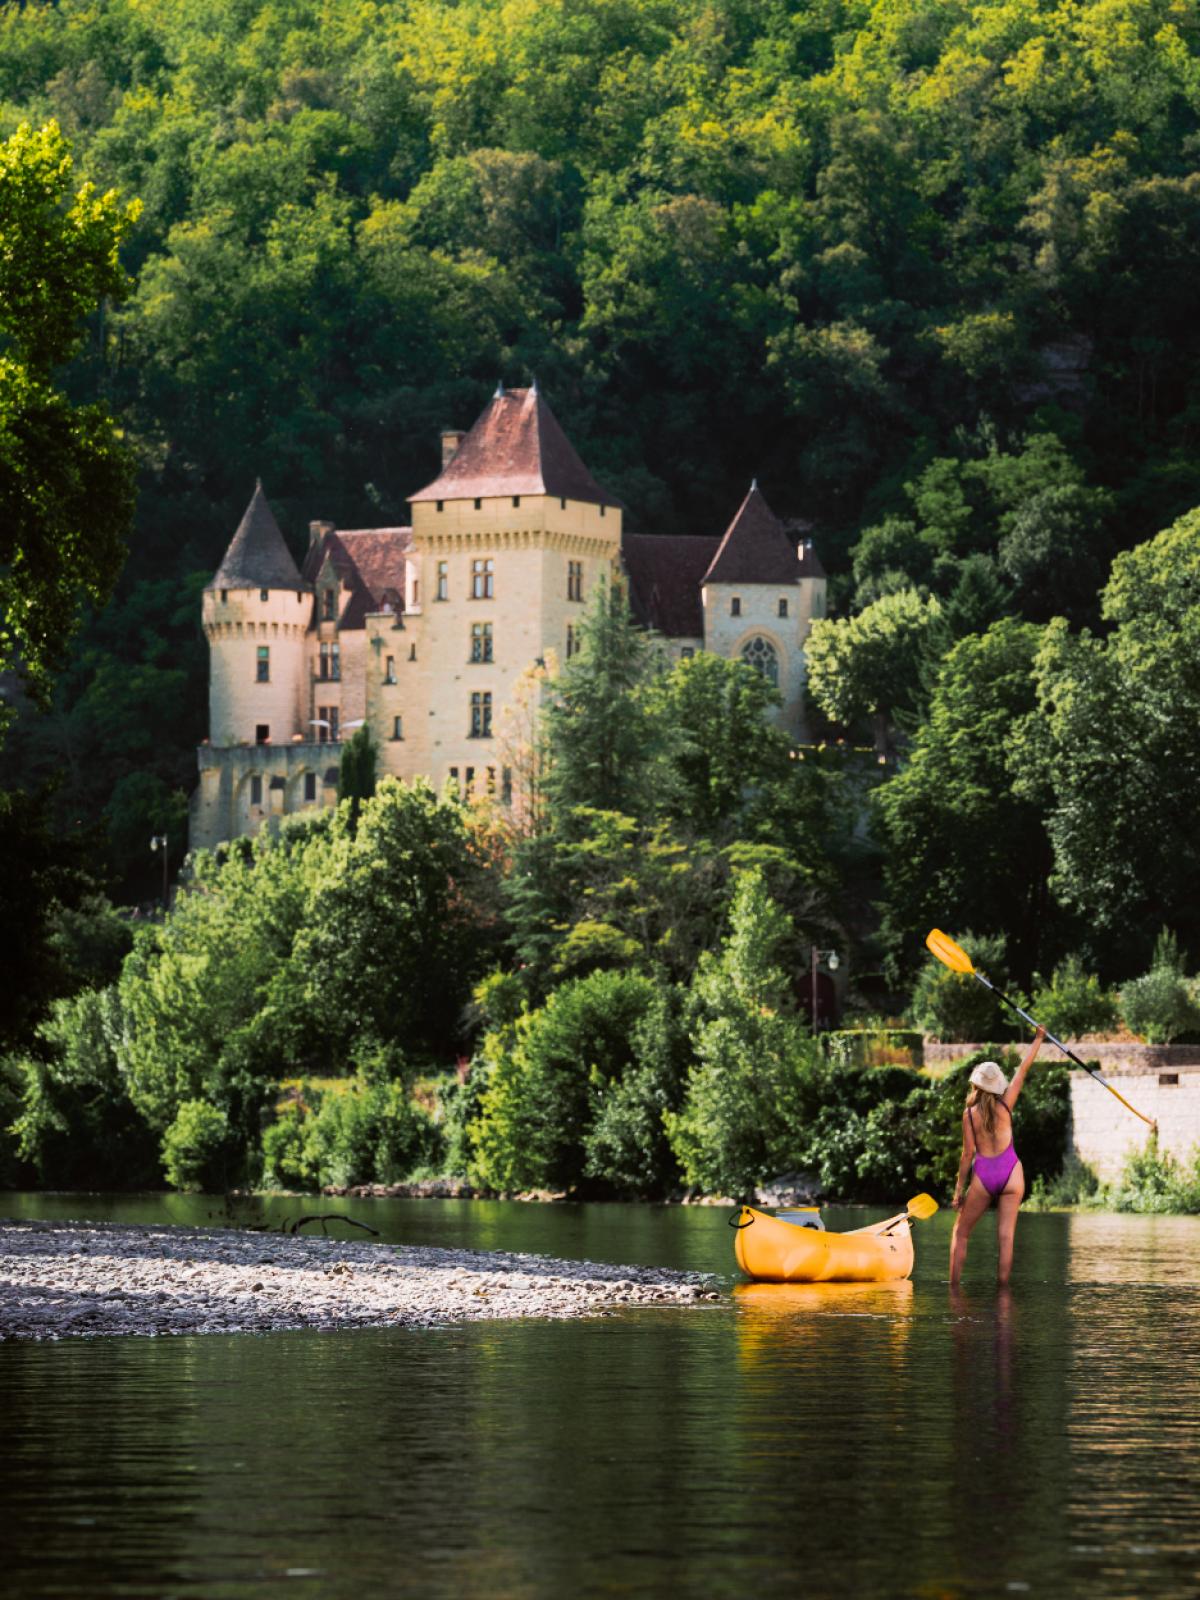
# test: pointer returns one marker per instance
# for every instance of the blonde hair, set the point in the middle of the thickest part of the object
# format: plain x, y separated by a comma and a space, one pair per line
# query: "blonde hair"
986, 1101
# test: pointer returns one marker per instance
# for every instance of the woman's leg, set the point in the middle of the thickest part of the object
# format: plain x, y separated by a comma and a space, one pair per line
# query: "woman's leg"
1007, 1207
973, 1207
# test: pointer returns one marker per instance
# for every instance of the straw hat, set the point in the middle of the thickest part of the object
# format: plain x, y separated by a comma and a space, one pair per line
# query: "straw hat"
987, 1075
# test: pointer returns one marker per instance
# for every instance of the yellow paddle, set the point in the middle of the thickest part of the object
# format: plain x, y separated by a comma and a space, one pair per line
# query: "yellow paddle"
956, 958
920, 1207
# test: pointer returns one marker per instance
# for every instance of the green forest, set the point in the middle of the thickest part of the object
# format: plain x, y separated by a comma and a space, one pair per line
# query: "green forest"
927, 270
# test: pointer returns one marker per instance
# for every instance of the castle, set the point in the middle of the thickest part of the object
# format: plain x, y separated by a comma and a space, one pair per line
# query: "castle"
421, 633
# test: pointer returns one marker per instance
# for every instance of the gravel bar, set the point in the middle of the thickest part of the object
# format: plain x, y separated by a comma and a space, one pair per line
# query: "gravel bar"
91, 1280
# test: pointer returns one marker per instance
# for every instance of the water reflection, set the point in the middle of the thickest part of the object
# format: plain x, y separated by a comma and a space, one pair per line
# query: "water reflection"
863, 1439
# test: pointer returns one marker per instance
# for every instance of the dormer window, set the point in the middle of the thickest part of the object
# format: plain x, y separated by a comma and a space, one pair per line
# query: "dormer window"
329, 605
735, 606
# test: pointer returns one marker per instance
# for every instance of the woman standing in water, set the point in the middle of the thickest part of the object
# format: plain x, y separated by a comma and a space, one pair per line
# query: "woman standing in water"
988, 1148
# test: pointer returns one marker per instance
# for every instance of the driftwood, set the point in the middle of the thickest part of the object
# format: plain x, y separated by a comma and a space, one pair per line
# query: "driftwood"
332, 1216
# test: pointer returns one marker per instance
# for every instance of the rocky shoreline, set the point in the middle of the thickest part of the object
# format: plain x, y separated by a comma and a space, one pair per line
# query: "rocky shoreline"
92, 1280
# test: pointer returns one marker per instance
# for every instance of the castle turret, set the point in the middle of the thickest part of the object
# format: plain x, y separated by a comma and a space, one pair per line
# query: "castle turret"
257, 611
760, 595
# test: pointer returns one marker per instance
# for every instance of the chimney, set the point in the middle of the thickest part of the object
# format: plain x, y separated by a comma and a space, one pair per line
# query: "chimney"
317, 532
452, 438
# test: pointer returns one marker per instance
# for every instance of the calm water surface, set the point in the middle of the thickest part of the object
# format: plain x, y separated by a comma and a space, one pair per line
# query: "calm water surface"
788, 1441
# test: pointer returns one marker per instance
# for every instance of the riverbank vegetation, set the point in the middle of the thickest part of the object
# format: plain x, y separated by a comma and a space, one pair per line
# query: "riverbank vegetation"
928, 271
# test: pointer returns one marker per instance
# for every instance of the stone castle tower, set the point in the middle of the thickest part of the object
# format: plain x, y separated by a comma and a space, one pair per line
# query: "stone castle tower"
421, 632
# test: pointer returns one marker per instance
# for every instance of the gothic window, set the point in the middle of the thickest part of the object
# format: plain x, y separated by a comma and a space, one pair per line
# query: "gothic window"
481, 714
263, 664
761, 654
481, 641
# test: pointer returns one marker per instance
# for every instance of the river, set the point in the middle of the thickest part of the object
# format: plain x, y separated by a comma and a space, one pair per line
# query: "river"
808, 1441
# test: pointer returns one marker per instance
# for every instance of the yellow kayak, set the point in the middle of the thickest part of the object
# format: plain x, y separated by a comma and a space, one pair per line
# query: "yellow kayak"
780, 1252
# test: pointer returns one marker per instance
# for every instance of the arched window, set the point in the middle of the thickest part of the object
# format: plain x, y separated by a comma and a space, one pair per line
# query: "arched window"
761, 654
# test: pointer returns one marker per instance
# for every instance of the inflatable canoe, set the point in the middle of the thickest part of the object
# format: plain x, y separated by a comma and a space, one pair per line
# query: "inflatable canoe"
782, 1252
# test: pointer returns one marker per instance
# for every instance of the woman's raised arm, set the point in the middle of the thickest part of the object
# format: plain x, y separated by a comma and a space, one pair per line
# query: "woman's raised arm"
1013, 1092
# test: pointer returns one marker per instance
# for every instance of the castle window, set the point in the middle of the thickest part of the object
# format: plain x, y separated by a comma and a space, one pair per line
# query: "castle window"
491, 780
761, 654
506, 785
310, 786
333, 724
562, 504
574, 580
327, 724
783, 608
264, 594
481, 641
453, 774
224, 597
602, 510
329, 604
469, 782
335, 662
397, 727
256, 791
416, 591
331, 776
516, 500
262, 733
389, 675
479, 505
441, 505
263, 664
735, 606
412, 652
443, 581
324, 668
686, 653
481, 714
483, 571
572, 640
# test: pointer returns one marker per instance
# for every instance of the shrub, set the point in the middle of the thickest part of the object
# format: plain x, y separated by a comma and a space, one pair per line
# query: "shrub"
1075, 1185
369, 1132
547, 1072
627, 1146
1074, 1002
1160, 1006
77, 1126
197, 1150
958, 1008
285, 1164
1153, 1181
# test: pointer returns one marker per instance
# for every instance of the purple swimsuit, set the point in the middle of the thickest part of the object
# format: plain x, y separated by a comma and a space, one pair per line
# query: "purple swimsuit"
994, 1172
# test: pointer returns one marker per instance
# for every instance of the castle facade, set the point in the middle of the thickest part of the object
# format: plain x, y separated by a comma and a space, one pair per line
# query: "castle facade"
421, 633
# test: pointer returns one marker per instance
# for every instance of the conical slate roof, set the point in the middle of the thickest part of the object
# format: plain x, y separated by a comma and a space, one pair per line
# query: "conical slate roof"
516, 447
257, 557
755, 549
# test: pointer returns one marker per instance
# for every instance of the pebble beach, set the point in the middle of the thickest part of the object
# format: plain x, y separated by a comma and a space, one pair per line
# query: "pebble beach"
94, 1280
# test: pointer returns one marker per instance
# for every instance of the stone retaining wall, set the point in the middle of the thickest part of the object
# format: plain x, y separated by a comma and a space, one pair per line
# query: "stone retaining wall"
1162, 1081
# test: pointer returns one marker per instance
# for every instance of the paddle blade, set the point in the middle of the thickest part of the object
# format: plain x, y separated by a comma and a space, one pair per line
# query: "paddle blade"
922, 1206
951, 954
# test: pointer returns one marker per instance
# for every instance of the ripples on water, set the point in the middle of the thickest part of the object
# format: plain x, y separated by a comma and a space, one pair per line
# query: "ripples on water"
807, 1440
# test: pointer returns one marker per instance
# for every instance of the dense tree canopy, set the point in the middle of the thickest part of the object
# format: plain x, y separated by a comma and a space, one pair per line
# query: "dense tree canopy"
852, 247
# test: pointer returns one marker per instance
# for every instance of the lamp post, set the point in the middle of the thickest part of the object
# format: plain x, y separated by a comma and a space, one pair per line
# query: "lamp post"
158, 841
833, 962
